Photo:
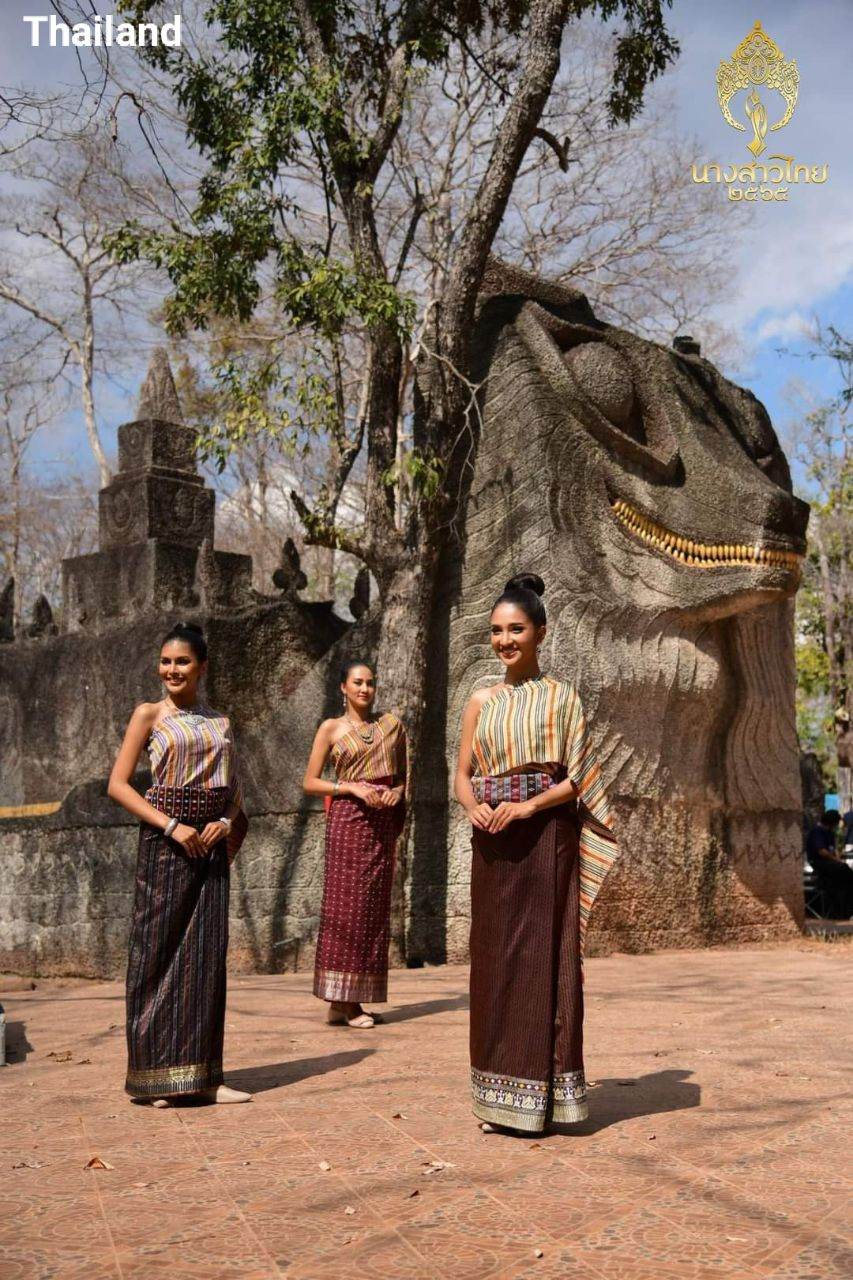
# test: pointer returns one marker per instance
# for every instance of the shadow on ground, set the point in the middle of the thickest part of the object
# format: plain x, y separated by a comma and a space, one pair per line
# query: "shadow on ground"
17, 1044
274, 1075
422, 1010
623, 1098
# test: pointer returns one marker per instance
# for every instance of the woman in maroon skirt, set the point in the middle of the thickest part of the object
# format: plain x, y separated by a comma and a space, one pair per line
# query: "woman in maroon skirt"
365, 813
542, 843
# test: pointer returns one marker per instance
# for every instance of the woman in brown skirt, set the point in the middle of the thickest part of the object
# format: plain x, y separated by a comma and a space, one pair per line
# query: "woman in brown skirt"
542, 843
192, 824
364, 818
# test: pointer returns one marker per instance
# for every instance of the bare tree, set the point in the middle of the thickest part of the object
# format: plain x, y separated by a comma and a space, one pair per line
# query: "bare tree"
41, 521
821, 442
54, 268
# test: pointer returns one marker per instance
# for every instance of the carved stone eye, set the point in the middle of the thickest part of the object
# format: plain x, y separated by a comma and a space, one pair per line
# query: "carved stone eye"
604, 375
605, 378
596, 379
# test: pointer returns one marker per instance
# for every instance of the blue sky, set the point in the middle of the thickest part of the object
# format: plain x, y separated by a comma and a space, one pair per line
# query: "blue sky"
800, 263
796, 263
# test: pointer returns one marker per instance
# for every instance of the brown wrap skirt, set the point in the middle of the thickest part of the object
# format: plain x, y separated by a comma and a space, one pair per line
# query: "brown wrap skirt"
526, 992
178, 942
351, 962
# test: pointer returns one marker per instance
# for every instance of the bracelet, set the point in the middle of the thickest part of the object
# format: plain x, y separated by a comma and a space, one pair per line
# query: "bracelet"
335, 788
170, 827
226, 823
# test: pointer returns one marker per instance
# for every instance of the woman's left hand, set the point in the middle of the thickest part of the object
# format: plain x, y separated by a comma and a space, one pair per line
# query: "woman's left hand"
212, 834
508, 811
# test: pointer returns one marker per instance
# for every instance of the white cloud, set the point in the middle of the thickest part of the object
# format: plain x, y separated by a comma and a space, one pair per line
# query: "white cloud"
790, 324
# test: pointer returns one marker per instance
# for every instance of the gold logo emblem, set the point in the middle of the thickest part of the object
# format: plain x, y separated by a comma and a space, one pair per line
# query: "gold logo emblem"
758, 63
757, 60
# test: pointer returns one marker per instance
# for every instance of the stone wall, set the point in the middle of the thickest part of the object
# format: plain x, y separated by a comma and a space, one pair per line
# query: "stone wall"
67, 853
653, 498
67, 877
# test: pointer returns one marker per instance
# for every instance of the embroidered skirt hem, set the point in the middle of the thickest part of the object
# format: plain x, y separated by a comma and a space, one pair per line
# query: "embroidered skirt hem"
161, 1082
529, 1104
350, 988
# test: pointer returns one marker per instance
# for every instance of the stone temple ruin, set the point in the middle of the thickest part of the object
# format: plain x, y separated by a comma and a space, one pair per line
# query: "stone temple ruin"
652, 496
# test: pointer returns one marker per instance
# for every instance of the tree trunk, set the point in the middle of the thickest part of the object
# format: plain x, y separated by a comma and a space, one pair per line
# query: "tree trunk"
402, 676
87, 373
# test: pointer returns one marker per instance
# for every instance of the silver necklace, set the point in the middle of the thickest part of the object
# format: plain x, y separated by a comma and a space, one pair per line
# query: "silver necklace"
365, 737
191, 713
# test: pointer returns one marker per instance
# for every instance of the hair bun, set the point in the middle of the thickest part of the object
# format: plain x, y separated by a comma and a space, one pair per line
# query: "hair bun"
190, 626
526, 582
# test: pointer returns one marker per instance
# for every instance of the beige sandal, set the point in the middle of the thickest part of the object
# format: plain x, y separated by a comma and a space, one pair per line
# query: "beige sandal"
337, 1018
223, 1093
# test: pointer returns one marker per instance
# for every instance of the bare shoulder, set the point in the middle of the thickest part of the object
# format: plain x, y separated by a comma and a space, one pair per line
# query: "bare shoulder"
478, 699
145, 715
146, 712
481, 696
327, 729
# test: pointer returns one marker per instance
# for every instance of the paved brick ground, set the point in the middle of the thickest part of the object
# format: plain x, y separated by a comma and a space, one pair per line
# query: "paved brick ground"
718, 1146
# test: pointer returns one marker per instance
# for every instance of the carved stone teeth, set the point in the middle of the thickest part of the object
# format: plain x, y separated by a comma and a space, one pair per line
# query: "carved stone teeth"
701, 554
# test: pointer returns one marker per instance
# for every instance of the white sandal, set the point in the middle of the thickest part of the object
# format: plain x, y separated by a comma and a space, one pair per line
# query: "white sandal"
361, 1021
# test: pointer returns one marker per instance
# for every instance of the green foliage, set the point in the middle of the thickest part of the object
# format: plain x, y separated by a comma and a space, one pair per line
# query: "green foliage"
265, 397
421, 473
267, 101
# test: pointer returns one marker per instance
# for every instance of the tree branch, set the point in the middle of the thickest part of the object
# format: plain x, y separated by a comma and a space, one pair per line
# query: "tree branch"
321, 533
547, 20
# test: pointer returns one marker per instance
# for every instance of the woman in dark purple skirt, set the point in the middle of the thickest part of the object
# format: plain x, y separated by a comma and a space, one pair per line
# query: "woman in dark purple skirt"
192, 824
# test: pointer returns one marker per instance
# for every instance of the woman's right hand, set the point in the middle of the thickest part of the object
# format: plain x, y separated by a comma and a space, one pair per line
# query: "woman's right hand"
481, 816
368, 795
190, 841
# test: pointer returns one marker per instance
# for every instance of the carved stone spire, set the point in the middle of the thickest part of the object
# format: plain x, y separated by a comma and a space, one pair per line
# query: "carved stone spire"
158, 397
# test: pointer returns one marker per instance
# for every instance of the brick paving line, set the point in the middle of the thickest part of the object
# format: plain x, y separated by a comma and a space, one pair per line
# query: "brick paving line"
807, 1234
351, 1191
224, 1186
500, 1270
93, 1174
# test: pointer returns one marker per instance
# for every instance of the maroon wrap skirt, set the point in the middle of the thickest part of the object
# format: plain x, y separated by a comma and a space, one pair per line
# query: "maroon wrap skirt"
351, 962
526, 1035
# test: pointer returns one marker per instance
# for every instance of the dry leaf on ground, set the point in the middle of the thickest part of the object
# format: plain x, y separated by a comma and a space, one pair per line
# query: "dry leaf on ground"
97, 1163
349, 1209
61, 1055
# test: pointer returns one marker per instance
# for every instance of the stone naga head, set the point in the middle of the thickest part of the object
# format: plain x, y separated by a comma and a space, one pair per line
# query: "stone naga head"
666, 485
